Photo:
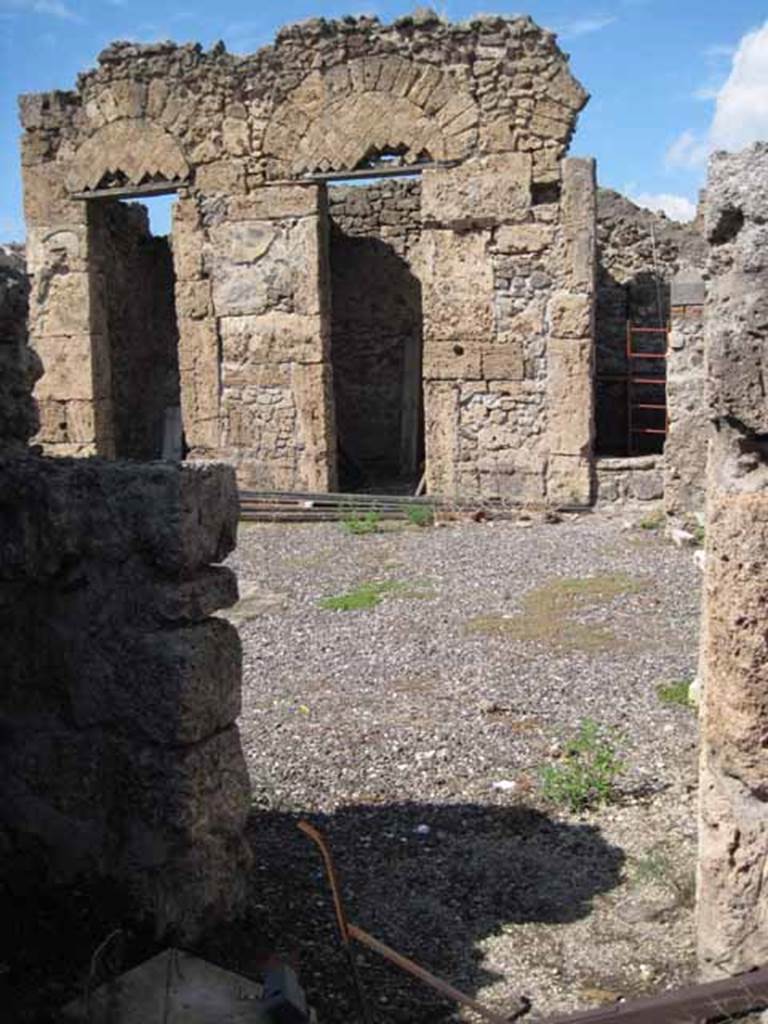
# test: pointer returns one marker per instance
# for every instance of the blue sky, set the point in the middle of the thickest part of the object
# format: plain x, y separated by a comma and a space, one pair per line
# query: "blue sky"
670, 79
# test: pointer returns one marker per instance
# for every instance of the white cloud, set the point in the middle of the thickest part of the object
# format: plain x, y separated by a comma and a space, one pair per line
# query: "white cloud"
741, 111
584, 26
53, 8
688, 151
676, 207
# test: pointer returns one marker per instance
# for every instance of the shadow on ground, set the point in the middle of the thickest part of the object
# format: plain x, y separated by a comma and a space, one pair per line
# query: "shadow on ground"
432, 895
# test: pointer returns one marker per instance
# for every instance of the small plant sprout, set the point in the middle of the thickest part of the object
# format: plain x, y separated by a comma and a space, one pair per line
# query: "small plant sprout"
676, 691
368, 522
586, 773
420, 515
653, 520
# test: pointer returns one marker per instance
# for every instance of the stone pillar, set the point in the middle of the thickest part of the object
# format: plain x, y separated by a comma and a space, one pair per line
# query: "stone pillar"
66, 311
507, 266
121, 758
685, 449
266, 255
570, 355
732, 905
199, 349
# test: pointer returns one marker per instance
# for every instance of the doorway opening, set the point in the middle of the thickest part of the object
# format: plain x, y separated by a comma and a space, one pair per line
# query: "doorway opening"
631, 372
376, 333
133, 245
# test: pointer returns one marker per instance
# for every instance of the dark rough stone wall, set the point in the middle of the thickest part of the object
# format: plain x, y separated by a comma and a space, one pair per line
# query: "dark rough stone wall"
142, 327
19, 366
639, 252
376, 329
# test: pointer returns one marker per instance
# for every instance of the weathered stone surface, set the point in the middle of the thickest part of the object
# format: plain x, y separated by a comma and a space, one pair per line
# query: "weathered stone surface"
486, 190
457, 278
733, 810
491, 254
570, 316
136, 148
120, 758
685, 448
19, 365
569, 387
733, 825
523, 238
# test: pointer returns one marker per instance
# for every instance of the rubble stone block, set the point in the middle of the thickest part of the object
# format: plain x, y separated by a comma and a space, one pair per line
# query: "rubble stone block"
487, 190
457, 280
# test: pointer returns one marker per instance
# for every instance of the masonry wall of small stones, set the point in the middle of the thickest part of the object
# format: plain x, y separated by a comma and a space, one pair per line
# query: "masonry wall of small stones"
376, 329
507, 281
141, 326
640, 256
733, 824
120, 757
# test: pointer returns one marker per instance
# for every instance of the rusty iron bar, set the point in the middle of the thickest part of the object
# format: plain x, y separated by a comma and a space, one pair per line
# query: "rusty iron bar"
349, 931
716, 999
341, 916
454, 994
689, 1005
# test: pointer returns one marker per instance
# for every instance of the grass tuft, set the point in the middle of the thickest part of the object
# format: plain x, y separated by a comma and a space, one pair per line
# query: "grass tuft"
586, 774
358, 524
675, 692
420, 515
368, 595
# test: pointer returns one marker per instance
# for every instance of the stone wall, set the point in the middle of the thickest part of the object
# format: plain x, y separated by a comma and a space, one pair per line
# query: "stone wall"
507, 270
19, 366
237, 137
376, 330
629, 483
733, 812
120, 756
137, 272
639, 252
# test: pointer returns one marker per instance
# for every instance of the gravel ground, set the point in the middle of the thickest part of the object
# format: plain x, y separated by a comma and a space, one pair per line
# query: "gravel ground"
391, 727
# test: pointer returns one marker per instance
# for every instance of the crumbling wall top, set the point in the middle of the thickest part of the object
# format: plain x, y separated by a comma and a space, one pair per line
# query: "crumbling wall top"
326, 95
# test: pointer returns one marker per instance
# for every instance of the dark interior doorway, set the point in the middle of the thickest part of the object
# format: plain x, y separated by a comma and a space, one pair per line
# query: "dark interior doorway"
376, 334
136, 259
630, 376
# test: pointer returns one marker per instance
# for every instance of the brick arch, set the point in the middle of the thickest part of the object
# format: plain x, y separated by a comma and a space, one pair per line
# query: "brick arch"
335, 120
133, 151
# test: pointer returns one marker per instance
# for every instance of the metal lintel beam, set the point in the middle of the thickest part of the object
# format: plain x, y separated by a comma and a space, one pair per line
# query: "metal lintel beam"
158, 188
400, 171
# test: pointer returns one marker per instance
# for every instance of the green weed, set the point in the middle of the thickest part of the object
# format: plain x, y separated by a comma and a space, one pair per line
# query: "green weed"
586, 774
675, 692
368, 522
368, 595
653, 520
420, 515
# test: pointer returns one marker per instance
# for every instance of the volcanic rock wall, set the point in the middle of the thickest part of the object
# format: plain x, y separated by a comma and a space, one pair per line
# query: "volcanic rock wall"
489, 106
733, 823
119, 755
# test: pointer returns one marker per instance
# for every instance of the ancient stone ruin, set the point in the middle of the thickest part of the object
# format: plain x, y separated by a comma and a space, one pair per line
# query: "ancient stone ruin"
464, 316
484, 371
120, 758
733, 851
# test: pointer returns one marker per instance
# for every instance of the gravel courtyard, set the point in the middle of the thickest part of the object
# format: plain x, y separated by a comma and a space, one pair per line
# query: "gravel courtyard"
413, 728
